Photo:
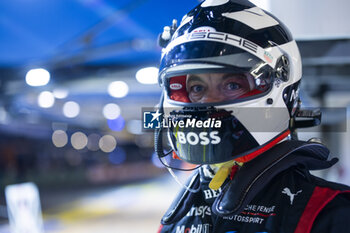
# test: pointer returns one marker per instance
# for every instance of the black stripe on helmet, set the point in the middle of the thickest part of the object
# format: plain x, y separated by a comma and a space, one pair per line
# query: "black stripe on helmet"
212, 17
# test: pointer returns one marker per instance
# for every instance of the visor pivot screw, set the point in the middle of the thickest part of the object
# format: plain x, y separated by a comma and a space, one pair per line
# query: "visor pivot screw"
269, 101
282, 70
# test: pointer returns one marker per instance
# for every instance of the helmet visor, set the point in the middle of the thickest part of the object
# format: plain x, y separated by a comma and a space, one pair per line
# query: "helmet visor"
196, 72
217, 87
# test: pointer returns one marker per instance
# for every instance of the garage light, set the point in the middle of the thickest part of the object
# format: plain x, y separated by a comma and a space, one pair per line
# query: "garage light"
71, 109
147, 75
46, 99
118, 89
37, 77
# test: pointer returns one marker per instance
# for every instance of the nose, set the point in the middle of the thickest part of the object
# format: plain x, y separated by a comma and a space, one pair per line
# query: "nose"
212, 97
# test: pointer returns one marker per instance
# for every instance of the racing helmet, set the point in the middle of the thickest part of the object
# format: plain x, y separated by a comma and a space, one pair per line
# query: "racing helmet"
230, 74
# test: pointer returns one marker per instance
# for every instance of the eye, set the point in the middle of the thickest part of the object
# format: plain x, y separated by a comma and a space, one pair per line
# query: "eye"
197, 88
233, 86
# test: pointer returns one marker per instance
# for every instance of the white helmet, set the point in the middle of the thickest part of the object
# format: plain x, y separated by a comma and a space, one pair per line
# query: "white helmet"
234, 44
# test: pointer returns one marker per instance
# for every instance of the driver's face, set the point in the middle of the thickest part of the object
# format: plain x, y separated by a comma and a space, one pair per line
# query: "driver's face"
216, 87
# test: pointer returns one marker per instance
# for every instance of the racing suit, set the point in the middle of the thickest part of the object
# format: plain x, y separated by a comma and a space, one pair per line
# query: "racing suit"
272, 193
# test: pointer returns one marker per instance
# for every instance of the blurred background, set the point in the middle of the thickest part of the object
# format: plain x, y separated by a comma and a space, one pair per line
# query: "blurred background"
74, 77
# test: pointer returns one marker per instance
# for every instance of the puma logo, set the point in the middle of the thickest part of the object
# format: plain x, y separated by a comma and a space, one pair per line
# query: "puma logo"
290, 194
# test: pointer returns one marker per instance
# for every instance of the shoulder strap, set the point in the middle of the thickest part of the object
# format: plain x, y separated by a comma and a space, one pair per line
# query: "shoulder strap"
320, 197
256, 174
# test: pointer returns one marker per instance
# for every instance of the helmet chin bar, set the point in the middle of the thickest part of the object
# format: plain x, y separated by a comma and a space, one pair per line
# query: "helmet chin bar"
158, 144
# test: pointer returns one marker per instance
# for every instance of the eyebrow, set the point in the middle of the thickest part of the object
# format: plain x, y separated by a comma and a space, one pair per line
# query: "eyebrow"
231, 75
193, 78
